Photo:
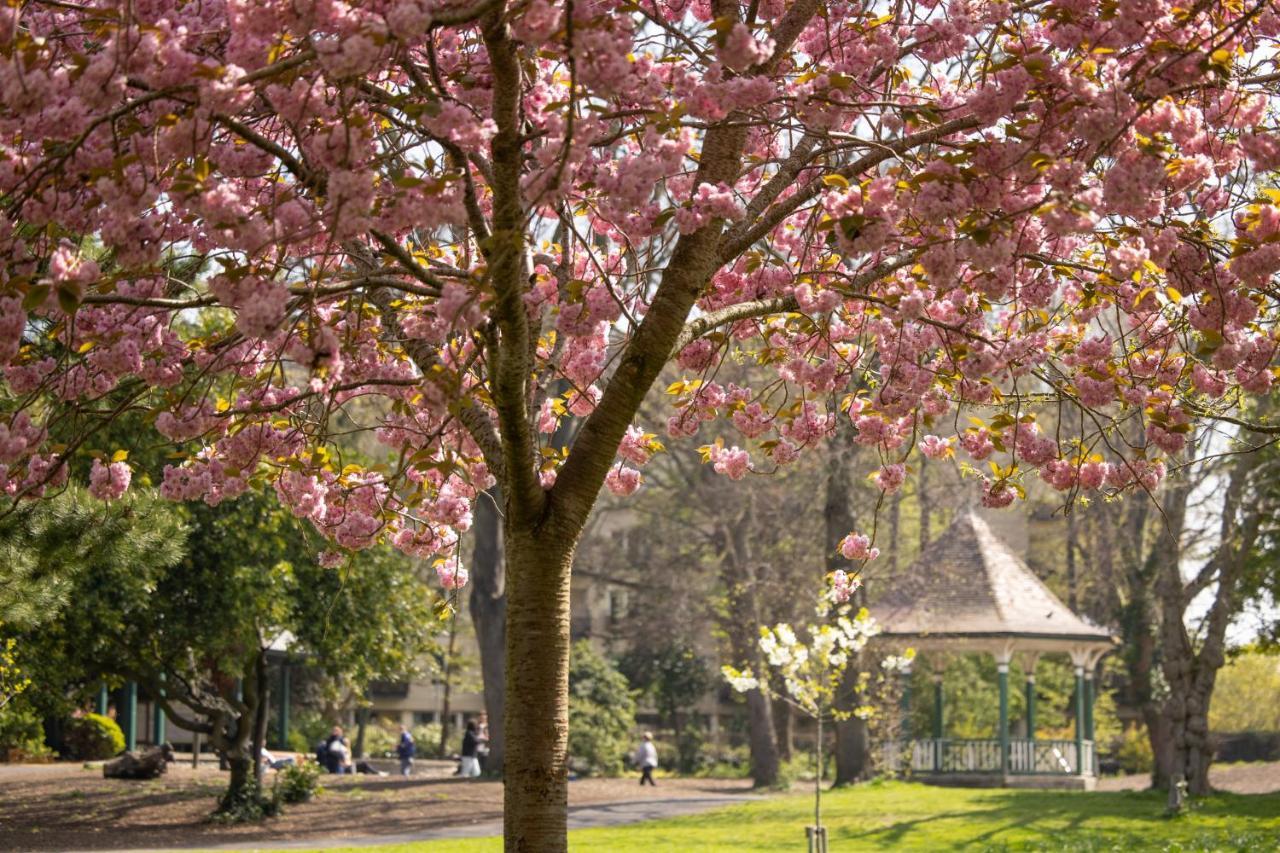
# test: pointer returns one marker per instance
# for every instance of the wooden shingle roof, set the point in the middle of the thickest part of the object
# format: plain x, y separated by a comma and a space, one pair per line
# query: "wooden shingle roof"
969, 583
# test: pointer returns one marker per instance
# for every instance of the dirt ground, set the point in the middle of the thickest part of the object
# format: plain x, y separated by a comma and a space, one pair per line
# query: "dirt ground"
70, 807
1252, 778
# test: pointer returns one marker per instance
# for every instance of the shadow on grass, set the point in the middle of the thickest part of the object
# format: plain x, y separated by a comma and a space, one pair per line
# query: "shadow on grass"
1073, 821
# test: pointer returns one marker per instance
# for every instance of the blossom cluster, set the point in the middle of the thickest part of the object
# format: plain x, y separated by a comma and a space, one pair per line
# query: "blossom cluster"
265, 226
810, 663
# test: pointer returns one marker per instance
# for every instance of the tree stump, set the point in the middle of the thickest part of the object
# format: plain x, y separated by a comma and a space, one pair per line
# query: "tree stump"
148, 764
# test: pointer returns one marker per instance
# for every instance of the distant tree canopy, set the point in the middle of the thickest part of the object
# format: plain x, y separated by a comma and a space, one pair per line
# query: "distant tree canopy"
1247, 698
187, 599
673, 676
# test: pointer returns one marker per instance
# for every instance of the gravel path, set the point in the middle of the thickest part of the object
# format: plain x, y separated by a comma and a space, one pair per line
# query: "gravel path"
580, 817
68, 807
1253, 778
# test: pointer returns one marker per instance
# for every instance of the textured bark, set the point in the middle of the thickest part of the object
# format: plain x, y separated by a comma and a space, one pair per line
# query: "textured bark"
260, 713
784, 727
535, 793
488, 606
243, 789
233, 738
448, 690
762, 740
1191, 669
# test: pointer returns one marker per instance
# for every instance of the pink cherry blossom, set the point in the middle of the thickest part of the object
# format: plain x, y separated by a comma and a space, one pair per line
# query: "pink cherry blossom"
891, 477
843, 586
857, 546
109, 482
493, 249
733, 462
622, 480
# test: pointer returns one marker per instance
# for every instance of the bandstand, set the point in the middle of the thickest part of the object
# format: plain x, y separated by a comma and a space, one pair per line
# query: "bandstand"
969, 593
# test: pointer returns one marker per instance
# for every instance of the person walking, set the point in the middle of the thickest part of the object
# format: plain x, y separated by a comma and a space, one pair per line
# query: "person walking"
647, 759
406, 749
469, 767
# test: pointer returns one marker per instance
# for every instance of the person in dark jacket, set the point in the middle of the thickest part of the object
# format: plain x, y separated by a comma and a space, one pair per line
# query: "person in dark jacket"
337, 753
470, 764
405, 750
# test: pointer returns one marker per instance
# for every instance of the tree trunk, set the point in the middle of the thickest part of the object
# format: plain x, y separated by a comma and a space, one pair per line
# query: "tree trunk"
762, 735
1073, 596
362, 725
924, 503
1138, 640
852, 747
537, 727
1186, 716
853, 751
895, 515
762, 740
488, 606
244, 794
1160, 737
235, 743
785, 728
448, 688
260, 715
1191, 672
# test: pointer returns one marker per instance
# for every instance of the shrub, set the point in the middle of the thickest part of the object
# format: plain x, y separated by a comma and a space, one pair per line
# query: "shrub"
307, 728
298, 783
427, 738
689, 751
1134, 754
602, 713
726, 762
380, 740
298, 742
21, 733
93, 737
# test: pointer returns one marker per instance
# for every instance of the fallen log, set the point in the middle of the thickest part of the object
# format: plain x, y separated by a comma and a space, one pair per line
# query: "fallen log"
148, 764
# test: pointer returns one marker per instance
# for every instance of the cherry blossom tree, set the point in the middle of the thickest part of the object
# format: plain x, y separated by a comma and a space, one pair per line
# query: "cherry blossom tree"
458, 224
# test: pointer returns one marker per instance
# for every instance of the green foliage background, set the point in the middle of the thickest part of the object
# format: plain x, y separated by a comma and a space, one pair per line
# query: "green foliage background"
602, 712
1247, 695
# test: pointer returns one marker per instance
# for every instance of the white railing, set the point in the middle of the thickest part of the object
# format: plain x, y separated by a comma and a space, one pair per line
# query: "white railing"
931, 755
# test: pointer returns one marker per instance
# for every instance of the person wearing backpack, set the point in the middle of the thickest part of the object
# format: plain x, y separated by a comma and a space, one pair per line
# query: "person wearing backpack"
406, 749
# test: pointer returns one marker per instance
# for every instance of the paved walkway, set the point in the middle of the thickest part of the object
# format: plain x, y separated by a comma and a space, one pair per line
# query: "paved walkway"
580, 817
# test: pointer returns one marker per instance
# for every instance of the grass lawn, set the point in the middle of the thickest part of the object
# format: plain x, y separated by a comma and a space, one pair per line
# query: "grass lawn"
902, 816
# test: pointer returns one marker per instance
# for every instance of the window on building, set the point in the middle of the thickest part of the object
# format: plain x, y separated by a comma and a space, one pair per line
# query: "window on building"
617, 605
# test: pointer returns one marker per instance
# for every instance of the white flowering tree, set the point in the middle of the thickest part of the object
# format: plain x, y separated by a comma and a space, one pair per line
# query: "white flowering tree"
812, 665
